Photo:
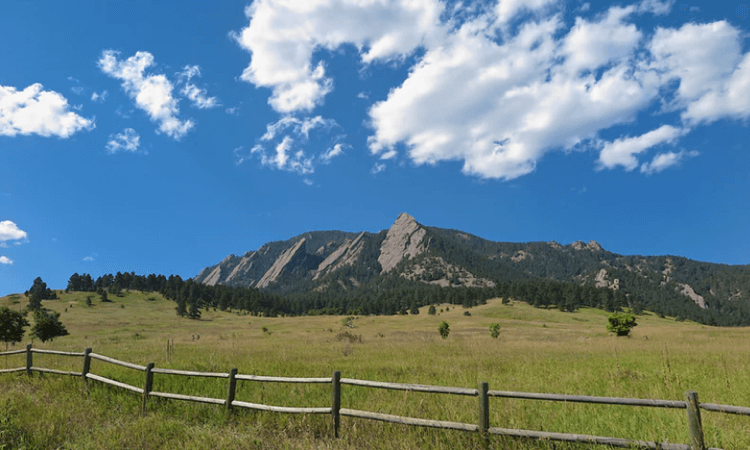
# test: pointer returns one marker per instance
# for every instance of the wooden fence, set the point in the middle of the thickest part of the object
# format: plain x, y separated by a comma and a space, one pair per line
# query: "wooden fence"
690, 404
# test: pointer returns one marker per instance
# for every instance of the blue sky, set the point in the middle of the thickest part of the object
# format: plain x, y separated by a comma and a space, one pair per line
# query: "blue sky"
159, 137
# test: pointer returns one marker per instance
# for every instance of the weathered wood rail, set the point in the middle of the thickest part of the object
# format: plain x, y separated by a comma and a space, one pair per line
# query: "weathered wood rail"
690, 404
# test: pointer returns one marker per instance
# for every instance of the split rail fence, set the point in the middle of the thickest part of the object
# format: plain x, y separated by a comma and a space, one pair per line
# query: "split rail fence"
690, 404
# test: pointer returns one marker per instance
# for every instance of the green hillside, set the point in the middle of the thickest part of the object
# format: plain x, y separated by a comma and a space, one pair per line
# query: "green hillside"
537, 350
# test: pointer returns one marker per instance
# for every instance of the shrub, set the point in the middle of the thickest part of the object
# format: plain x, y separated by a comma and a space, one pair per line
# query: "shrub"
621, 323
495, 330
467, 313
444, 329
431, 311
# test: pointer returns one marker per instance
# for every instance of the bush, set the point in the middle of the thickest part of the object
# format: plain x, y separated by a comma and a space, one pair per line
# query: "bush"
431, 311
444, 329
495, 330
621, 323
467, 313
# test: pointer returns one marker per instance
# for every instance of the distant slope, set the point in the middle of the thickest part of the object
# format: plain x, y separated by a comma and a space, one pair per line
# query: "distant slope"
408, 253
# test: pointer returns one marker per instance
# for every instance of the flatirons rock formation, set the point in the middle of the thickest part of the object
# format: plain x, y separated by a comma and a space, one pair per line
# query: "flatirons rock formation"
414, 253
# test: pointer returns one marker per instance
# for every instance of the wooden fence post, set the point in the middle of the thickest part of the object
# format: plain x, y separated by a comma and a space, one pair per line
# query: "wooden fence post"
695, 426
147, 386
86, 364
484, 412
29, 360
232, 388
336, 402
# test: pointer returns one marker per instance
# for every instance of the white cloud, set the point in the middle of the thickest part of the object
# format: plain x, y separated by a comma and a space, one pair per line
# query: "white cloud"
88, 258
656, 7
336, 150
36, 111
151, 93
377, 168
127, 141
700, 56
307, 181
9, 231
99, 98
494, 101
622, 151
5, 260
293, 143
198, 96
663, 161
282, 37
505, 10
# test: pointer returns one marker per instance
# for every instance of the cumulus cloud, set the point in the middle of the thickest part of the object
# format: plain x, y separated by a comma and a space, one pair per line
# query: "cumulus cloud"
621, 152
9, 231
282, 37
127, 141
199, 97
291, 144
498, 102
5, 260
36, 111
663, 161
151, 92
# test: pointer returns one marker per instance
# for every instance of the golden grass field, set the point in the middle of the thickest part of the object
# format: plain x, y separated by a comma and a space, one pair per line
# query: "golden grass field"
537, 351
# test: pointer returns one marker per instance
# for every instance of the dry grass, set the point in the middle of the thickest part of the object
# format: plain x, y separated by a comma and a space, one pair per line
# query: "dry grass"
537, 351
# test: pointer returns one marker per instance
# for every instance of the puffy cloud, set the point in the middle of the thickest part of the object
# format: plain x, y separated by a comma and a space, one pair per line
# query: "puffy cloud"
127, 141
495, 101
151, 93
5, 260
198, 96
702, 57
290, 140
36, 111
9, 231
283, 35
663, 161
499, 108
622, 151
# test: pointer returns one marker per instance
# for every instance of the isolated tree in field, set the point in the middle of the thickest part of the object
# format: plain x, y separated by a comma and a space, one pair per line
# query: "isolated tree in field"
38, 292
11, 325
47, 325
432, 310
621, 323
495, 330
444, 329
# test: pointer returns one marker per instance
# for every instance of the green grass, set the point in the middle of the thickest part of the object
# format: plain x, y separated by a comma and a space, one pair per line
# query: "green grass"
537, 351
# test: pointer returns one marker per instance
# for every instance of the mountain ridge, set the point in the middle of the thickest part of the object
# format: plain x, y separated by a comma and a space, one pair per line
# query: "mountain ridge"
409, 252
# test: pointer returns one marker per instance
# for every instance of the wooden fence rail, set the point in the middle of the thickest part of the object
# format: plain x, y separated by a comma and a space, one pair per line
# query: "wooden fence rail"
690, 404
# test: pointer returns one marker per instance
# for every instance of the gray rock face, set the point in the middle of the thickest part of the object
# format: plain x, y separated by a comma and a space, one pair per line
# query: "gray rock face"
405, 239
296, 251
346, 255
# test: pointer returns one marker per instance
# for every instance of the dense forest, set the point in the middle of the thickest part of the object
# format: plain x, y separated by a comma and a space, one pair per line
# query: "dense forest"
393, 294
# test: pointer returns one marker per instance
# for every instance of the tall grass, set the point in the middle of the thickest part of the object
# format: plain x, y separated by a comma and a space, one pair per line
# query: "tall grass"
537, 351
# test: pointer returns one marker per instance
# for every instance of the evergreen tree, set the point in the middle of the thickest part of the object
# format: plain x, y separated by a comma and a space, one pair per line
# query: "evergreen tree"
47, 325
11, 325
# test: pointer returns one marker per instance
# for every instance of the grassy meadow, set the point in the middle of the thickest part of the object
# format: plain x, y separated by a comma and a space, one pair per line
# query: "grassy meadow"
537, 351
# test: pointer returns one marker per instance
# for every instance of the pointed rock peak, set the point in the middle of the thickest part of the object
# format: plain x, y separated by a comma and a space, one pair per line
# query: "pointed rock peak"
404, 219
593, 245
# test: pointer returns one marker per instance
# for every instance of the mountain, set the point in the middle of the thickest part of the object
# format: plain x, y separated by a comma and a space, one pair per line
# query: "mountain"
322, 265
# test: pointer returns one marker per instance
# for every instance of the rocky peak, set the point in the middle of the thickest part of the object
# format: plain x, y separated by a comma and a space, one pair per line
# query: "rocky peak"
295, 252
404, 239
